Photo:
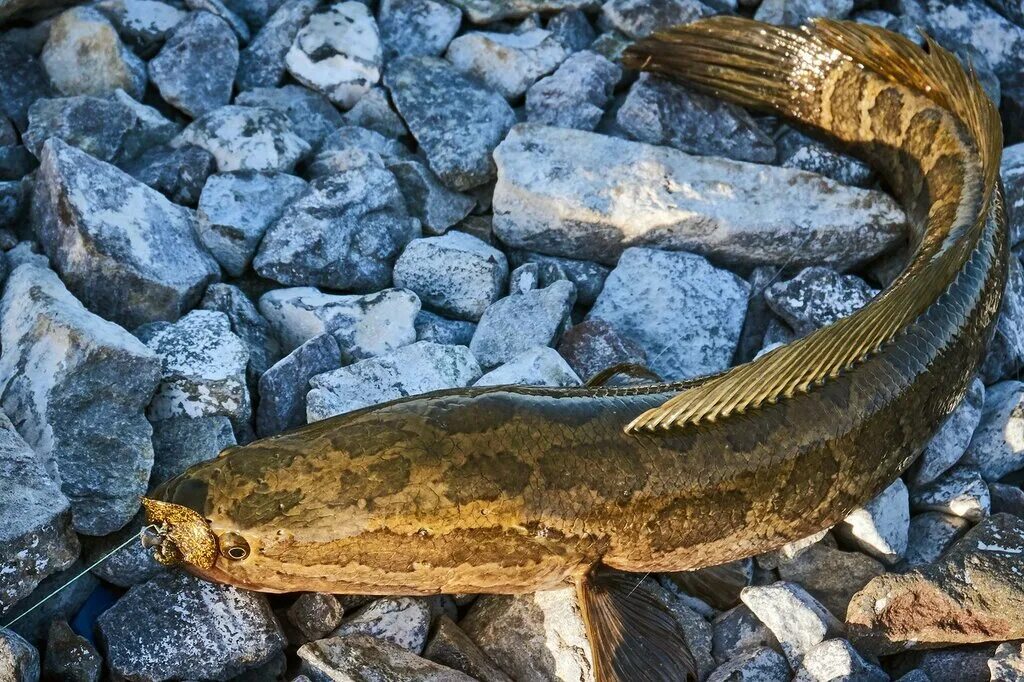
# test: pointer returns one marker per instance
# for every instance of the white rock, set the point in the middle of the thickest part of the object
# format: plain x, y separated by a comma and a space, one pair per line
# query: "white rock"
796, 618
950, 442
756, 665
930, 534
361, 657
246, 138
1008, 663
997, 447
836, 659
879, 528
582, 195
404, 621
541, 366
508, 62
961, 491
337, 52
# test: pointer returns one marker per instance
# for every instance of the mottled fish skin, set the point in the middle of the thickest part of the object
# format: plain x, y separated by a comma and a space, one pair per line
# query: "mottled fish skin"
510, 489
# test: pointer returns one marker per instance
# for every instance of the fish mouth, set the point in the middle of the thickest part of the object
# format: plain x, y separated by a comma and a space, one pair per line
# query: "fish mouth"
179, 535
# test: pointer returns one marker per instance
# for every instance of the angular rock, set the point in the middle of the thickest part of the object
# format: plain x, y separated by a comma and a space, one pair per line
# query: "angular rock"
1008, 663
796, 150
516, 324
456, 121
1005, 356
1006, 498
436, 206
737, 631
70, 657
975, 593
350, 148
830, 575
997, 447
179, 442
36, 538
246, 138
879, 528
418, 368
509, 63
19, 660
22, 81
685, 313
417, 28
283, 387
756, 665
314, 614
84, 56
572, 29
35, 615
796, 12
404, 621
574, 96
930, 534
261, 63
541, 366
247, 324
817, 297
968, 663
640, 18
143, 24
78, 403
836, 659
582, 195
1012, 174
177, 626
450, 646
195, 68
131, 565
487, 11
364, 326
961, 491
311, 114
589, 277
179, 174
218, 9
456, 274
235, 210
431, 327
796, 619
337, 52
950, 442
361, 657
373, 111
344, 233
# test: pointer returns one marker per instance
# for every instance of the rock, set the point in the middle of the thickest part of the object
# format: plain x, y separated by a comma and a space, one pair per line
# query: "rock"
373, 111
94, 440
79, 201
879, 528
418, 368
178, 626
796, 619
836, 659
261, 63
961, 491
817, 297
582, 195
35, 614
436, 206
456, 274
344, 233
179, 442
574, 96
219, 9
685, 313
572, 29
110, 129
973, 594
456, 121
361, 657
962, 663
431, 327
451, 647
22, 81
997, 447
797, 150
756, 665
350, 147
1005, 356
1012, 174
143, 24
1008, 499
695, 630
417, 28
515, 324
312, 115
830, 575
70, 657
179, 174
246, 138
204, 366
283, 387
509, 63
640, 18
1008, 663
84, 56
796, 12
930, 534
195, 69
737, 631
247, 324
589, 277
36, 538
314, 614
235, 210
951, 440
19, 660
540, 366
404, 621
364, 326
487, 11
337, 52
132, 564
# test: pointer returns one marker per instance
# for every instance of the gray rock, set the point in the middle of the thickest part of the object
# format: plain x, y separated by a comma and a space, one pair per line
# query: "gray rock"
417, 28
404, 621
1006, 499
796, 618
796, 12
436, 206
829, 575
1005, 356
756, 665
14, 197
685, 313
540, 366
235, 210
85, 211
179, 174
179, 442
246, 138
796, 150
177, 626
22, 81
588, 276
364, 326
738, 631
91, 438
84, 56
640, 18
1008, 663
131, 565
248, 324
572, 28
431, 327
35, 615
418, 368
70, 657
220, 10
195, 68
36, 538
283, 387
817, 297
361, 657
456, 121
312, 115
967, 663
576, 95
351, 147
337, 52
1012, 174
315, 614
345, 233
456, 274
515, 324
660, 112
961, 491
373, 111
19, 660
487, 11
450, 646
261, 63
997, 447
509, 63
836, 659
950, 442
581, 195
879, 528
204, 366
255, 13
143, 24
930, 534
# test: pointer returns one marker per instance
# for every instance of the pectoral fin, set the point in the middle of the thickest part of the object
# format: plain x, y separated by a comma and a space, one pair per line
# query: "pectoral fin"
633, 636
623, 374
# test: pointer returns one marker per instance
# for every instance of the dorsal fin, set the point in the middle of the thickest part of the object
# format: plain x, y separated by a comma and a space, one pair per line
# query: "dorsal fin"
759, 65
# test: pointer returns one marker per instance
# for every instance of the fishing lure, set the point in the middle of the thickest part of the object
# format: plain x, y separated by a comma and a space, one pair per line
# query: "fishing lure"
517, 489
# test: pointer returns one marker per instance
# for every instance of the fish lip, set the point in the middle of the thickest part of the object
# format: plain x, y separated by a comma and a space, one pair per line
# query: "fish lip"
181, 536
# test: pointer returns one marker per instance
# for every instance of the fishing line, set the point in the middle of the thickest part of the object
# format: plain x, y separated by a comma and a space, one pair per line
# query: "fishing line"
83, 572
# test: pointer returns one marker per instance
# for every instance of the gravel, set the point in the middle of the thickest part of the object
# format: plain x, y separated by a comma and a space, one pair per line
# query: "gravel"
195, 69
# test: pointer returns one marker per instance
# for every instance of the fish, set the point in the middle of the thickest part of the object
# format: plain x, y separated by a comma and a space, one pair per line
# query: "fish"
520, 489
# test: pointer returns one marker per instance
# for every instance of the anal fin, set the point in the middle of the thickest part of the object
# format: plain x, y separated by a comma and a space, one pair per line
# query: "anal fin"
633, 636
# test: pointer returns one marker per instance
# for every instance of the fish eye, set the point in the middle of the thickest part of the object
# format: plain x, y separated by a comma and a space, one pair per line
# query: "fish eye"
234, 546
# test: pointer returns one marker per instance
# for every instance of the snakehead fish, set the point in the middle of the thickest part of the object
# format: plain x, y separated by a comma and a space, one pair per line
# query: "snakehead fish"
515, 489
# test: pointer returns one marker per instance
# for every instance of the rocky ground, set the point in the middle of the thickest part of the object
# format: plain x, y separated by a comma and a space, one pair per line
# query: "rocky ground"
223, 218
